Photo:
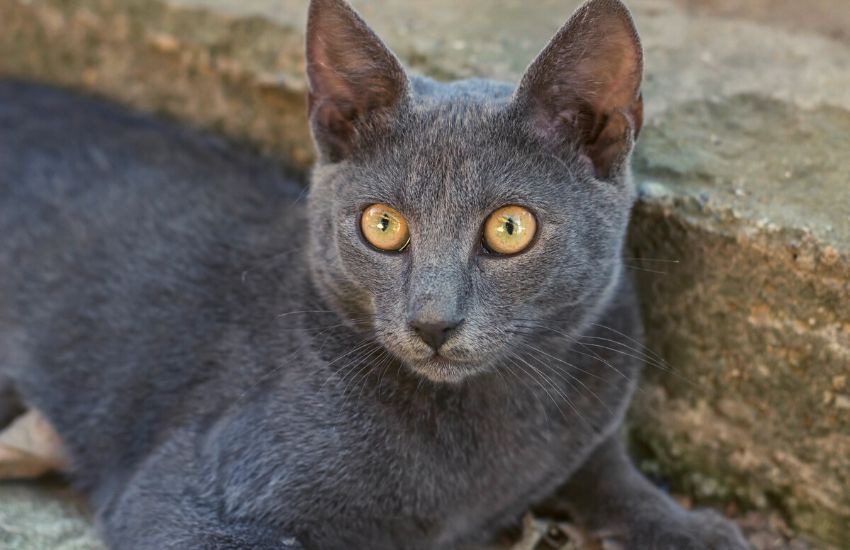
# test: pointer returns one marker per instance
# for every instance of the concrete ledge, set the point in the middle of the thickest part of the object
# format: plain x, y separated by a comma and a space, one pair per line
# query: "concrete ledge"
741, 238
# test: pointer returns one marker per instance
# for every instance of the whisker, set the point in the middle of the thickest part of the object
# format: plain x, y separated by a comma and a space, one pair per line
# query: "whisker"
657, 260
646, 354
561, 373
567, 363
545, 378
588, 353
627, 354
644, 269
643, 355
563, 394
363, 344
642, 345
509, 357
364, 365
311, 311
374, 365
388, 364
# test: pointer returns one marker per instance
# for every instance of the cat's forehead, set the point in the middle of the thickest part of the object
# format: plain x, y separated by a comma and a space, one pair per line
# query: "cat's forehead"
450, 123
460, 153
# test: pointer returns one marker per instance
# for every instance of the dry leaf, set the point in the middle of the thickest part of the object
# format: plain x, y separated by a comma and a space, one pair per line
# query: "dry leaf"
29, 448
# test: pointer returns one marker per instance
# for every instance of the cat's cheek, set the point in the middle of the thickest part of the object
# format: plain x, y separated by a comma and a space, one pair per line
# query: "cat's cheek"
516, 278
379, 277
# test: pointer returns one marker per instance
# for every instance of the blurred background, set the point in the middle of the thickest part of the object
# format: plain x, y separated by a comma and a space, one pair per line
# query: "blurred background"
740, 240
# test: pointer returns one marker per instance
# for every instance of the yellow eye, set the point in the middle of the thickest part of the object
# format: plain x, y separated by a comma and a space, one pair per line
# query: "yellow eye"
384, 228
509, 230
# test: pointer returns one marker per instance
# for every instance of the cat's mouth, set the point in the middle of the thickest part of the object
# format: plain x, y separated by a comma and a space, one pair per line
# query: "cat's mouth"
443, 369
451, 363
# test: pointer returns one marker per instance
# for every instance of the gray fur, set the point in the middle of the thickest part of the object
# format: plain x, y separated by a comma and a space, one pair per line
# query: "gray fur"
231, 366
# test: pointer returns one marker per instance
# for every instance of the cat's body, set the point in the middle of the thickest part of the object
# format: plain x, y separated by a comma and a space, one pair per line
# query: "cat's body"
214, 313
203, 338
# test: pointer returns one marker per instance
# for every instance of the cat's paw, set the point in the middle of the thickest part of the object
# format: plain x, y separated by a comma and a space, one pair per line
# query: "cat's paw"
698, 530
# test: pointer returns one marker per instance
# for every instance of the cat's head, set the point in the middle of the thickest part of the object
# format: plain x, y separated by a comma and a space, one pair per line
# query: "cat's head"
409, 237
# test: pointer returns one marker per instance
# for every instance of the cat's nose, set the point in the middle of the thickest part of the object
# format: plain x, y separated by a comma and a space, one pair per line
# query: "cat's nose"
435, 333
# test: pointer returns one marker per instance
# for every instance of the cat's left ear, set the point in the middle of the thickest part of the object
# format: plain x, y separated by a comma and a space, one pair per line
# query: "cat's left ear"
355, 81
583, 90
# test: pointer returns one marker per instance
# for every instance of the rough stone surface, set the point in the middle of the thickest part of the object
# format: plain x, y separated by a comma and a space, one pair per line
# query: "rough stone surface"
741, 240
753, 318
43, 516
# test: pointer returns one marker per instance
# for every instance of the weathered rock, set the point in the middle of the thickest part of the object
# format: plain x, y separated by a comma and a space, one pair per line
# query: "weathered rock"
38, 517
754, 316
741, 240
241, 76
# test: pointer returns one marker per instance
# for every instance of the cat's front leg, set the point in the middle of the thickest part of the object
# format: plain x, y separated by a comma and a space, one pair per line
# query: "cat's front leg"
621, 507
157, 521
170, 503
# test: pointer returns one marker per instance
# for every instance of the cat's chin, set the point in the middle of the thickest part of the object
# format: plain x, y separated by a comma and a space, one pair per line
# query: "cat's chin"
445, 371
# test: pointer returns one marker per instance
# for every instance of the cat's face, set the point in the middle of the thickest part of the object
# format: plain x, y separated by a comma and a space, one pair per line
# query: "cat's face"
445, 158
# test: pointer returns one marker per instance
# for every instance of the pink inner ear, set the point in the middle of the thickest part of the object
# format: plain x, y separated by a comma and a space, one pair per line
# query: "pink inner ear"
612, 144
347, 62
334, 71
354, 79
609, 71
584, 87
555, 127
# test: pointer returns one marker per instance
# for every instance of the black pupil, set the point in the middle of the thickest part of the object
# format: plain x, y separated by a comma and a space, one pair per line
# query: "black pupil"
510, 227
384, 224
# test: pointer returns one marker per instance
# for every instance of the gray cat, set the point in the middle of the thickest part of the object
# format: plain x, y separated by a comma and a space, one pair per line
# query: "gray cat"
432, 342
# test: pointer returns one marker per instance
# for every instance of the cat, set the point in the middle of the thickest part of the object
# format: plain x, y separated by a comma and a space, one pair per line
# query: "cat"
427, 344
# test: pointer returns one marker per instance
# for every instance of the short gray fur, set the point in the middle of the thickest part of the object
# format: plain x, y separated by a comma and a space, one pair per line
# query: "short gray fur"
231, 365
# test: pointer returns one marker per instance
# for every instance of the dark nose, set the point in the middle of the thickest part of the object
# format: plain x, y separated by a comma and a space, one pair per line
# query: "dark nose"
434, 333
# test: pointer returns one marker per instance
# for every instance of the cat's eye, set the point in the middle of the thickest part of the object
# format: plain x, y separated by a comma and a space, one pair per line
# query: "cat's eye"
509, 230
384, 228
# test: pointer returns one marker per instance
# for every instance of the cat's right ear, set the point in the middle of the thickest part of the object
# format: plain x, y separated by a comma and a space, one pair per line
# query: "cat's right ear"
583, 90
356, 83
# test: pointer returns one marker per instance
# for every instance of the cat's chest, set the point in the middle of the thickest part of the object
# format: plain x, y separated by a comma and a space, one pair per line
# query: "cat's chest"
384, 467
454, 475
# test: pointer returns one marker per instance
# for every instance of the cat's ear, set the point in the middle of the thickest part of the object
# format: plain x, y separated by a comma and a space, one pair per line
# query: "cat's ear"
355, 81
583, 90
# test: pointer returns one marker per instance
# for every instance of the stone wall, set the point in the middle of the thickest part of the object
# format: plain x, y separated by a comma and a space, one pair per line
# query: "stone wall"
740, 242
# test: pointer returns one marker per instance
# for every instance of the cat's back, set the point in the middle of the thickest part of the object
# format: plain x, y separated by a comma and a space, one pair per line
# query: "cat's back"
106, 214
88, 184
114, 224
64, 155
134, 254
99, 204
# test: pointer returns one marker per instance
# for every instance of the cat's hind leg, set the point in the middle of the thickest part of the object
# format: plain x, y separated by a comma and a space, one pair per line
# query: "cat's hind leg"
613, 501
